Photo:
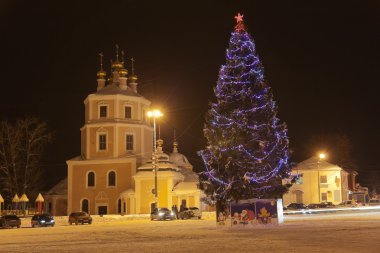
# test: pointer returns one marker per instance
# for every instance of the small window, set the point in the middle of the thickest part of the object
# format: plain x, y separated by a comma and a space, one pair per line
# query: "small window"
324, 196
102, 142
323, 179
91, 179
128, 112
103, 111
129, 142
112, 178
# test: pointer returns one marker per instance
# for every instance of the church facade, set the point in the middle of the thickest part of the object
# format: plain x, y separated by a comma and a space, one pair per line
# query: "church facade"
114, 173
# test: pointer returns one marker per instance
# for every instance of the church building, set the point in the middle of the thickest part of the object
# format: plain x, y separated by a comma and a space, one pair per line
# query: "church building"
114, 173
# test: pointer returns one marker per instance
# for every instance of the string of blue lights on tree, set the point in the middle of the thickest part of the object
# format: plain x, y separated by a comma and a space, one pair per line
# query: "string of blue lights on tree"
247, 153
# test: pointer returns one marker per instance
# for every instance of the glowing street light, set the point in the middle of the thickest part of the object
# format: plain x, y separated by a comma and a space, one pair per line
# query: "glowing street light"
155, 114
321, 157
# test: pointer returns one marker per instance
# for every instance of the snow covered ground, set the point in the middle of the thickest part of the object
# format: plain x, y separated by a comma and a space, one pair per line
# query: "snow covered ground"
337, 232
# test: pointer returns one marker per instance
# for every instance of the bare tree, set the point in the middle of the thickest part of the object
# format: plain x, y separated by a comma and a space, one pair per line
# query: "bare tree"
21, 146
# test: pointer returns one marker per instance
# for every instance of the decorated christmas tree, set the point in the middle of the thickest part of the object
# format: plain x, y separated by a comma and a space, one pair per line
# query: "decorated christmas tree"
247, 146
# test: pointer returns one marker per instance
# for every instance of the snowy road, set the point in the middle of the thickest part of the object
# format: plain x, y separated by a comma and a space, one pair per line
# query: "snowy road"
348, 232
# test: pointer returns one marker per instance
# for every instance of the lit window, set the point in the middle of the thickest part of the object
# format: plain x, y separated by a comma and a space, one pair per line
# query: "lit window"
323, 179
102, 142
112, 178
103, 111
91, 179
128, 112
324, 196
129, 142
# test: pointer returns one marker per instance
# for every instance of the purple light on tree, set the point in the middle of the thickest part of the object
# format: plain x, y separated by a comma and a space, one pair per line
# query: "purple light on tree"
247, 153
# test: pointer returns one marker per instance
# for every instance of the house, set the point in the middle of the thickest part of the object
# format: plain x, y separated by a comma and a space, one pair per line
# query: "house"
319, 181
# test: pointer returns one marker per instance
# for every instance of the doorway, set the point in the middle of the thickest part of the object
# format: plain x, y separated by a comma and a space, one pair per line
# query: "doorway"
299, 196
102, 210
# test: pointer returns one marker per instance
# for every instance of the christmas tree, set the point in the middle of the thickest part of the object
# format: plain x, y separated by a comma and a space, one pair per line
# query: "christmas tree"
247, 146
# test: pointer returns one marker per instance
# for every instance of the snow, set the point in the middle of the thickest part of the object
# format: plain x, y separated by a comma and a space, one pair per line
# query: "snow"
336, 232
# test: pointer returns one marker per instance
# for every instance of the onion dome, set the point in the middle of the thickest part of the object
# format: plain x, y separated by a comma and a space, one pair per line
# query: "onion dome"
101, 74
133, 78
123, 72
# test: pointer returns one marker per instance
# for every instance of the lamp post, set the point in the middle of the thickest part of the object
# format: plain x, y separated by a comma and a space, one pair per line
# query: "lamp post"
321, 156
155, 114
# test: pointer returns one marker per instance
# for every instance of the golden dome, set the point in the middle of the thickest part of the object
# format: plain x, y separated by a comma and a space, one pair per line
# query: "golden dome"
123, 72
101, 74
133, 78
117, 65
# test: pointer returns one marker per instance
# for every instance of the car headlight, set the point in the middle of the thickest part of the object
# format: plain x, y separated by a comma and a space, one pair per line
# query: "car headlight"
171, 213
52, 220
161, 214
42, 221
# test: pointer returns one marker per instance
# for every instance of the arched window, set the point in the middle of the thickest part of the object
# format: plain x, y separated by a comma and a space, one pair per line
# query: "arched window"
84, 205
91, 179
112, 178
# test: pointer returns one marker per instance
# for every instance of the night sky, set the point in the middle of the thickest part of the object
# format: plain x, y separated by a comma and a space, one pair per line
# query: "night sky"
320, 58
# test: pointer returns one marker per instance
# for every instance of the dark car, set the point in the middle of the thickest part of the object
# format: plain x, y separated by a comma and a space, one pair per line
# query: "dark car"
162, 214
189, 213
80, 218
42, 220
296, 206
10, 221
326, 205
313, 206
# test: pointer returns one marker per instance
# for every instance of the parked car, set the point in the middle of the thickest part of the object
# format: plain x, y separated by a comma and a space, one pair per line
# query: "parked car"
10, 220
80, 218
349, 203
313, 206
42, 220
326, 204
374, 202
162, 214
189, 213
296, 206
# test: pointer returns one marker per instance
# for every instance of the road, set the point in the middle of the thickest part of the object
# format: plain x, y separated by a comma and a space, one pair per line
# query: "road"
340, 232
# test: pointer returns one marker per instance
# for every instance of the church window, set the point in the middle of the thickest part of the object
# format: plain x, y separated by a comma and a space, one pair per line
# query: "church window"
323, 179
129, 141
128, 112
91, 179
324, 196
103, 111
112, 178
102, 141
84, 205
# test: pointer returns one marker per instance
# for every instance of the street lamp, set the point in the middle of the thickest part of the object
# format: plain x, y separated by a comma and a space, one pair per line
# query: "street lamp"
155, 114
321, 157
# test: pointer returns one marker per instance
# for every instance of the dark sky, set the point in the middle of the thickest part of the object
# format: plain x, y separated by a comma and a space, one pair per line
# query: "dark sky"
321, 59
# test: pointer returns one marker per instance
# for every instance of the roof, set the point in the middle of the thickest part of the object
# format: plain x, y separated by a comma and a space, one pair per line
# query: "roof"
180, 160
190, 176
314, 163
59, 189
185, 187
113, 89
